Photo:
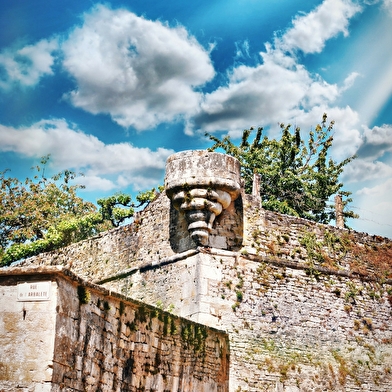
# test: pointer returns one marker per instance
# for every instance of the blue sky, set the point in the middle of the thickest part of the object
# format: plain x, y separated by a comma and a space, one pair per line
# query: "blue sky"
111, 89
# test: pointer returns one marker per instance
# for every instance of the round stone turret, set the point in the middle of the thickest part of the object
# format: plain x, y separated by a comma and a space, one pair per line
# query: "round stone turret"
202, 184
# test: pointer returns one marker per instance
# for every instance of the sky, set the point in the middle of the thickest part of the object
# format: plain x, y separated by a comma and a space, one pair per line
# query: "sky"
111, 89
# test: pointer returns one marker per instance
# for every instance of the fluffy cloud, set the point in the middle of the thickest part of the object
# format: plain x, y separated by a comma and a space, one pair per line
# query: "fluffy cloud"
277, 90
310, 32
270, 92
72, 149
373, 167
27, 65
140, 72
362, 170
282, 89
374, 208
347, 137
388, 5
384, 189
349, 81
376, 142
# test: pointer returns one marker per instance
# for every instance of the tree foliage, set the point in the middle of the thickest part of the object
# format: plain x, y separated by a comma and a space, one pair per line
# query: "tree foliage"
115, 209
296, 176
41, 214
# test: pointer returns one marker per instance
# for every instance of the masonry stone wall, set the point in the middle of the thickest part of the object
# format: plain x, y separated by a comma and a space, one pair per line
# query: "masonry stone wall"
307, 307
157, 233
132, 246
154, 236
291, 327
84, 338
295, 331
27, 337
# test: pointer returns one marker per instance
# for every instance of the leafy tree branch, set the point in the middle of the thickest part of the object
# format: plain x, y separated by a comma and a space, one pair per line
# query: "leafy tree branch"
297, 177
41, 214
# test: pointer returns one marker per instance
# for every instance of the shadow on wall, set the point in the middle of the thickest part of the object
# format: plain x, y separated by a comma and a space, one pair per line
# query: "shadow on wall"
226, 232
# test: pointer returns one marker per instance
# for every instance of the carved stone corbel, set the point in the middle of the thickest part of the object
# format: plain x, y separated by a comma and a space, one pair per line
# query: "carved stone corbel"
201, 184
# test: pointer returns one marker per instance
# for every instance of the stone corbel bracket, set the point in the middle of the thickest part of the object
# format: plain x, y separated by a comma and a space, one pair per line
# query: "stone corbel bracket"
201, 184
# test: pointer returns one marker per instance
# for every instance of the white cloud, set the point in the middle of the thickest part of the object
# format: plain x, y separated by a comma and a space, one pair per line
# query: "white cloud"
96, 183
280, 89
347, 137
277, 90
268, 93
242, 50
140, 72
361, 170
380, 135
388, 6
27, 65
349, 81
374, 206
72, 149
384, 189
310, 32
376, 142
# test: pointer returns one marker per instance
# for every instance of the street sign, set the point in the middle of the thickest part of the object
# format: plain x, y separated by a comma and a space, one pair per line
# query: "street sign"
34, 291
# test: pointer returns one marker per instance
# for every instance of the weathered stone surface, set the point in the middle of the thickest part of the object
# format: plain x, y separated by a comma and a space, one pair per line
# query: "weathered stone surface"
202, 169
289, 328
201, 185
27, 339
307, 306
87, 339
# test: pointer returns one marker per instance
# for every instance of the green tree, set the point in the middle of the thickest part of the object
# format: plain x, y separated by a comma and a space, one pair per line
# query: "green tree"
297, 177
42, 214
115, 209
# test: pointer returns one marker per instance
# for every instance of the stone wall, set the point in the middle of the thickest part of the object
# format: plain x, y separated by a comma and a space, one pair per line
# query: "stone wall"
145, 241
27, 336
153, 238
85, 338
307, 307
291, 327
293, 330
